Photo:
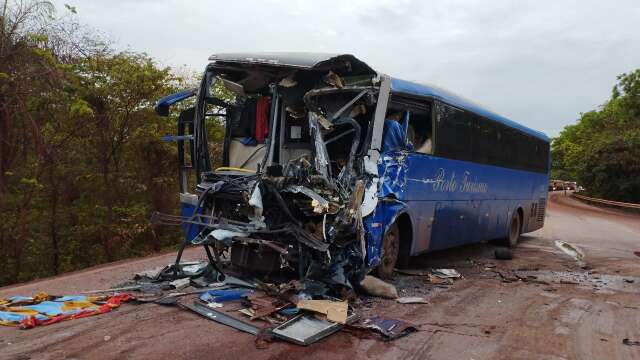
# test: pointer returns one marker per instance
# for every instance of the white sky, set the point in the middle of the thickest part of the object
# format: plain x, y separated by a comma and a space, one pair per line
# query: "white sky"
540, 63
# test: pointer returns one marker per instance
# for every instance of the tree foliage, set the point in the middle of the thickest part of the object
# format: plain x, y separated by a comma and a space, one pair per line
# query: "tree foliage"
602, 150
81, 161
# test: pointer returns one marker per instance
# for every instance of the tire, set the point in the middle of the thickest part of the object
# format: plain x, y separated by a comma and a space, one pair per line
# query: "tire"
390, 252
514, 230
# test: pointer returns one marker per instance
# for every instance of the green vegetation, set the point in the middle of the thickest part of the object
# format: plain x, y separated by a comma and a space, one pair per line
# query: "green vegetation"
81, 163
602, 151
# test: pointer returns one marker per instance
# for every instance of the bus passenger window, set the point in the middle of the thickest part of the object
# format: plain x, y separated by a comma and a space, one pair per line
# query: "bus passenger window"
420, 133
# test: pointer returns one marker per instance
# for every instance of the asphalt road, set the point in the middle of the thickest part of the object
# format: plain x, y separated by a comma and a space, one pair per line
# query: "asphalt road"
564, 310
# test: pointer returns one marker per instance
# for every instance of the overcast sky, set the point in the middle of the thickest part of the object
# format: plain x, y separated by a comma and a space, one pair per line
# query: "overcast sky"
540, 63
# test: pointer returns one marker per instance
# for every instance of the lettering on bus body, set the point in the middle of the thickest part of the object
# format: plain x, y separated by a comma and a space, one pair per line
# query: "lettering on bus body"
444, 183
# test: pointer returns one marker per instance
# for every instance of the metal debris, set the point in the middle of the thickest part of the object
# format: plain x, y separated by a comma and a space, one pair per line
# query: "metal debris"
570, 250
305, 329
446, 273
411, 300
221, 317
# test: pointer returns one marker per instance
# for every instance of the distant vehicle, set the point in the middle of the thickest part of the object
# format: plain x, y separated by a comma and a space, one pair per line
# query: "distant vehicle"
555, 185
312, 180
570, 185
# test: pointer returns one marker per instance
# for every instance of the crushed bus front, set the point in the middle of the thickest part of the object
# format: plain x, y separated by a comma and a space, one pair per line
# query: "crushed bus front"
297, 187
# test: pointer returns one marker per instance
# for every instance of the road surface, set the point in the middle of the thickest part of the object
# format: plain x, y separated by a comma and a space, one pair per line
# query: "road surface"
565, 311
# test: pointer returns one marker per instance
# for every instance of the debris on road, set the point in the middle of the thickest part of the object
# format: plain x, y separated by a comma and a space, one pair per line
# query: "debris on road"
336, 311
222, 318
180, 284
414, 272
571, 250
305, 329
43, 309
446, 273
390, 329
220, 296
376, 287
439, 280
411, 300
631, 342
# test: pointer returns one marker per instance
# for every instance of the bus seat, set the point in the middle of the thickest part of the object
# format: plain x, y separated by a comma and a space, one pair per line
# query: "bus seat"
245, 156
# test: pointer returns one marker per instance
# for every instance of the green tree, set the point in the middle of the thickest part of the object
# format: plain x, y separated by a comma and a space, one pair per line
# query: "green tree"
602, 150
81, 162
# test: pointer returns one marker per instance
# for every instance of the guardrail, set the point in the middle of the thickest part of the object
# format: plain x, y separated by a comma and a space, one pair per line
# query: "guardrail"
607, 202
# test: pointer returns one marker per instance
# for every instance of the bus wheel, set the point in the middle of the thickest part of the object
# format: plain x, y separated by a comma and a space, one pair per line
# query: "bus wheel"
514, 230
390, 251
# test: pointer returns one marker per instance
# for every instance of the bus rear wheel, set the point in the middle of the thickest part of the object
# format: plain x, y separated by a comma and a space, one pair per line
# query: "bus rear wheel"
514, 230
390, 252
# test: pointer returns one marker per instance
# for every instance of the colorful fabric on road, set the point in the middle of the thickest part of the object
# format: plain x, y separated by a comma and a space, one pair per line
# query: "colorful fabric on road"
43, 309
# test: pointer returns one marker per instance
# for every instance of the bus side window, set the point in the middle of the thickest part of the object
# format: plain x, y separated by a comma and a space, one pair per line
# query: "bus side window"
454, 133
421, 133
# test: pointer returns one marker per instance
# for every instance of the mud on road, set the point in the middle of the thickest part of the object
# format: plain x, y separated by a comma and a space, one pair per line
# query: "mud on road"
541, 305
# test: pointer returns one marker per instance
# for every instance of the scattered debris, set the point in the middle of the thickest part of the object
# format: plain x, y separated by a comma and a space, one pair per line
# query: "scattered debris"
631, 342
440, 281
222, 318
305, 329
390, 329
503, 253
43, 309
180, 284
414, 272
220, 296
446, 273
411, 300
336, 311
376, 287
571, 250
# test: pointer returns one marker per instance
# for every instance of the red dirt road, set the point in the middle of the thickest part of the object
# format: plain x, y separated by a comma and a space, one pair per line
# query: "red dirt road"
562, 312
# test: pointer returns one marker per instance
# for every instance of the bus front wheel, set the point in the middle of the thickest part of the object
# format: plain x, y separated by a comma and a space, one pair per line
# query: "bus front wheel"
390, 252
514, 230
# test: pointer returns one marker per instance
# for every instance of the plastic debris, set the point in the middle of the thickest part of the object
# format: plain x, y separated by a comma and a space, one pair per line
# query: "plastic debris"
221, 296
376, 287
631, 342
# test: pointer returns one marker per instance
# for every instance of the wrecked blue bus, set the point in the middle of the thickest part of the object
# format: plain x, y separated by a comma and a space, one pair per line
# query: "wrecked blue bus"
329, 169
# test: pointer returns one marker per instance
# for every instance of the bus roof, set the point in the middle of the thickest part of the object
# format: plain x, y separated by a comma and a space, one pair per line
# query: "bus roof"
302, 60
408, 87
